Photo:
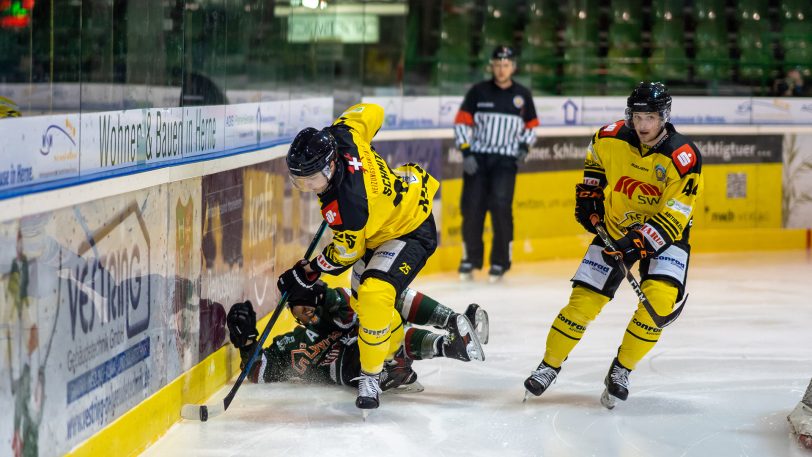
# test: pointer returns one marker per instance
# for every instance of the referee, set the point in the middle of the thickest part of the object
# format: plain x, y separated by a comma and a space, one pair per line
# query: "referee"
494, 131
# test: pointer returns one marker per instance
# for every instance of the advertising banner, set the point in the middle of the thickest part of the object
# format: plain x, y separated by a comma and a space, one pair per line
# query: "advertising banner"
243, 125
87, 293
38, 149
309, 112
779, 110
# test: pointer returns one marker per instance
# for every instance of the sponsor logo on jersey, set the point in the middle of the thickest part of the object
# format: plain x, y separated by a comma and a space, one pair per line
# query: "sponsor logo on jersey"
284, 341
596, 266
575, 326
646, 327
358, 109
634, 165
380, 332
627, 185
387, 254
684, 158
518, 101
324, 265
676, 262
592, 181
331, 214
659, 171
679, 207
653, 236
485, 105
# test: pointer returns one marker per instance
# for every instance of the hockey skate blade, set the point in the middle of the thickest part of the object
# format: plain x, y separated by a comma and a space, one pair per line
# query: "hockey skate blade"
480, 321
474, 347
607, 400
413, 388
201, 412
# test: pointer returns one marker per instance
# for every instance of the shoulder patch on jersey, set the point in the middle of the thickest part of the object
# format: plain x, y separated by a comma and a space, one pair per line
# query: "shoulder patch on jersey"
331, 214
684, 158
353, 164
610, 130
518, 101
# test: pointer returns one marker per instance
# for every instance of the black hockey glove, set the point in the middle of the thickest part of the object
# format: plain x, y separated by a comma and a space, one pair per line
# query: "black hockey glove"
242, 324
588, 202
315, 296
631, 247
296, 281
521, 153
469, 163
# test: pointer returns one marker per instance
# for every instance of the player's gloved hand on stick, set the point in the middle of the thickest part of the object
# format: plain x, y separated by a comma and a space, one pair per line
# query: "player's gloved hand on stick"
315, 296
631, 247
588, 202
521, 154
297, 281
242, 324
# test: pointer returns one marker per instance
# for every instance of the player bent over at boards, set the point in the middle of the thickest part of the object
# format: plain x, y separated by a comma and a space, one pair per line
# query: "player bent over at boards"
323, 348
641, 181
382, 225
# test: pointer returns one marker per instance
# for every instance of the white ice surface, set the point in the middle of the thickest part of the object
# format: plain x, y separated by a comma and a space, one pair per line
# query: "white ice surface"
720, 382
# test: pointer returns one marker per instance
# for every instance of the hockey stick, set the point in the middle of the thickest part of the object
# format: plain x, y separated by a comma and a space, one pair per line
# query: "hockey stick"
660, 321
204, 412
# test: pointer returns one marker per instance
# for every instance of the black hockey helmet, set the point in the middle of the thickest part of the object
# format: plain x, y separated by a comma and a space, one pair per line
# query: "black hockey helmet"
503, 53
309, 159
649, 97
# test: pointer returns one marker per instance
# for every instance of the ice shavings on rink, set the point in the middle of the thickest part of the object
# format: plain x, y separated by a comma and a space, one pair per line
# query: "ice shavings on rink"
720, 382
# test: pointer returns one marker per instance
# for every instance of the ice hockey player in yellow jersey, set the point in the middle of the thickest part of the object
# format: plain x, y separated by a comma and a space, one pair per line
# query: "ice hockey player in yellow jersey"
382, 226
641, 181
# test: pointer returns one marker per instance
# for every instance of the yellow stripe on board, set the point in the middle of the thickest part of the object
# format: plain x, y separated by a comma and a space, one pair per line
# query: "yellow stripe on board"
141, 426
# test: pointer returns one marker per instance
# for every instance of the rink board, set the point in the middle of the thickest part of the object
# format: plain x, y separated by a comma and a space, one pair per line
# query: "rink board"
198, 238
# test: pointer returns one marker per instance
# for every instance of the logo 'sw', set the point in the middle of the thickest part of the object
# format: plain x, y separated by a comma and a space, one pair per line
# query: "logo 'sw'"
628, 185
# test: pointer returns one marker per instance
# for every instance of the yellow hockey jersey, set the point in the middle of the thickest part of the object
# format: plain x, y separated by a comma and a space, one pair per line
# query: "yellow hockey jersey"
654, 189
369, 203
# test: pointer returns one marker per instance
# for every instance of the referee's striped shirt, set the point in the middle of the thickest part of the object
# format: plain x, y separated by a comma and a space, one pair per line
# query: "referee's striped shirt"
493, 120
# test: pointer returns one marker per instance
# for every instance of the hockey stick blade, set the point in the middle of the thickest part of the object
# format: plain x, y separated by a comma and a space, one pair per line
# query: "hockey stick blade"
202, 412
659, 320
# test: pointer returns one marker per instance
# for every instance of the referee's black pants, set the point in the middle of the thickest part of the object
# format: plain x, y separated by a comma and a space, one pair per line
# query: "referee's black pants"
489, 189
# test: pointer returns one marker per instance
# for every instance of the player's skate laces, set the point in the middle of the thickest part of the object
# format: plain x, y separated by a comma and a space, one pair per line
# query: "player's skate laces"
541, 378
368, 391
617, 380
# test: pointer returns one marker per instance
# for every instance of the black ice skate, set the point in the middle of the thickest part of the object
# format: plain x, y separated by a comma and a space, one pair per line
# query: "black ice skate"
398, 376
495, 273
368, 391
540, 379
462, 343
479, 319
466, 271
617, 385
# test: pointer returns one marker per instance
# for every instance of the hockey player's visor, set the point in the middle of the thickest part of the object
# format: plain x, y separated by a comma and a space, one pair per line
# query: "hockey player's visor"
316, 182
